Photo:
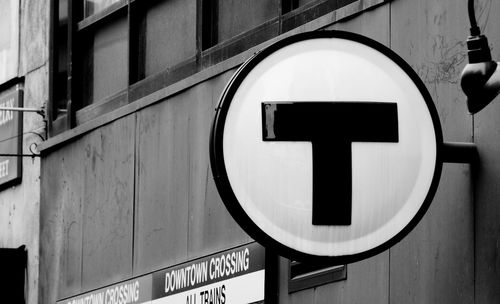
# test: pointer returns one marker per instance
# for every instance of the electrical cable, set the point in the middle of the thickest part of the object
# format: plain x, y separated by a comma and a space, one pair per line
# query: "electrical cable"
474, 29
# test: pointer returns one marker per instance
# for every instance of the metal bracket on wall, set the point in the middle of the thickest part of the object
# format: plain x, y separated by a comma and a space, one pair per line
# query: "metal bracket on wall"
33, 146
40, 111
460, 152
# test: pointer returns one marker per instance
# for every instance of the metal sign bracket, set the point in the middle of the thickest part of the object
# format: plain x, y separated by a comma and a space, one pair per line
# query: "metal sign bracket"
460, 152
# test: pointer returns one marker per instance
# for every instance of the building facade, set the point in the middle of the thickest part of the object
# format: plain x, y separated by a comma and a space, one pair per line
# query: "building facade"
127, 198
23, 83
24, 70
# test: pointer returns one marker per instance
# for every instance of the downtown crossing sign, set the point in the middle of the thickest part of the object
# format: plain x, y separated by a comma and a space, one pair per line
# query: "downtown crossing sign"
326, 145
235, 276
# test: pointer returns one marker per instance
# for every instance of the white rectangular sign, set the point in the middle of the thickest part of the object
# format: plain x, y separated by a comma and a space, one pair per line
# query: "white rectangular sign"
238, 290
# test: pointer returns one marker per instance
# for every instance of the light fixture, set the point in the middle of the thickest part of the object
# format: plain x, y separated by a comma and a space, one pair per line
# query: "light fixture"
480, 79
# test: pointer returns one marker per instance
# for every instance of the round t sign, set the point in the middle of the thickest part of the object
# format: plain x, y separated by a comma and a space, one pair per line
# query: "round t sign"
326, 144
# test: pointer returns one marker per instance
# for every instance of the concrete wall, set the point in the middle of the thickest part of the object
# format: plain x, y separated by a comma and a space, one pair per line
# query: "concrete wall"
486, 134
136, 194
20, 204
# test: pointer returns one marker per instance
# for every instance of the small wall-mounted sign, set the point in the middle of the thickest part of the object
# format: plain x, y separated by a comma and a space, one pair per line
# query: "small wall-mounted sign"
11, 139
326, 145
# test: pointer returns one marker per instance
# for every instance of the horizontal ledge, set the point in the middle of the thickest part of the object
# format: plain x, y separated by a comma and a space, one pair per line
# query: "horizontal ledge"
460, 152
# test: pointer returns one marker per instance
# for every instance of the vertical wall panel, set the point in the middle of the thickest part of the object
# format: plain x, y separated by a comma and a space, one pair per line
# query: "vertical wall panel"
50, 231
211, 228
487, 192
162, 185
87, 214
108, 192
430, 35
367, 282
71, 209
179, 214
434, 263
60, 229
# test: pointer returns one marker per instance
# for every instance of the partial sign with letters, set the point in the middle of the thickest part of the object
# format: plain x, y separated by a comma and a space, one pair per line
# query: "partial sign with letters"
327, 145
11, 130
235, 276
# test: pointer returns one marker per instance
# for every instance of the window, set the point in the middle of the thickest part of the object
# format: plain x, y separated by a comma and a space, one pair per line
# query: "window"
165, 22
101, 48
303, 275
107, 53
61, 58
105, 68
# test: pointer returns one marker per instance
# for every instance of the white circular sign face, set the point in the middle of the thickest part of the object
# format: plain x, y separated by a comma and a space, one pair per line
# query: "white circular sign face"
326, 144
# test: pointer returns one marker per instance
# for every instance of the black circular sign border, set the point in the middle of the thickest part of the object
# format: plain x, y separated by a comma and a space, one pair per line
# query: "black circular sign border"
219, 169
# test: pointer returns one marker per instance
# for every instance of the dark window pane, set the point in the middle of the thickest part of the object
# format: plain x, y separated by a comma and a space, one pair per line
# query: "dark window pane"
238, 16
170, 34
94, 6
106, 67
209, 21
61, 71
63, 11
61, 61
